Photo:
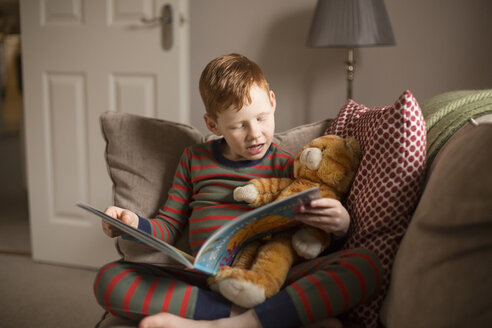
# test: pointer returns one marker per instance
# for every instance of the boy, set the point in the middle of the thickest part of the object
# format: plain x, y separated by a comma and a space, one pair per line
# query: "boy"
240, 108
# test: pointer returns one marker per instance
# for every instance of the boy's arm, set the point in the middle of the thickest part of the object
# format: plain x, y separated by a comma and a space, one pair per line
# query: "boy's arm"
173, 215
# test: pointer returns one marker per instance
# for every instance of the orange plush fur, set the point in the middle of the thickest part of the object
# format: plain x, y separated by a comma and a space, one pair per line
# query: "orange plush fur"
259, 271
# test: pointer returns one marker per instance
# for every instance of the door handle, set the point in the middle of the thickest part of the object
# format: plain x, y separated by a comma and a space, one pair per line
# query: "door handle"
166, 20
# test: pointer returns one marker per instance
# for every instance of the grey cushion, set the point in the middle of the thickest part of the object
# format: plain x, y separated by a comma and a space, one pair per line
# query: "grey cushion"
142, 155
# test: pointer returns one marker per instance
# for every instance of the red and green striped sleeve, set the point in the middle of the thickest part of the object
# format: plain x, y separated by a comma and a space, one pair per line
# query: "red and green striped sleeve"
173, 215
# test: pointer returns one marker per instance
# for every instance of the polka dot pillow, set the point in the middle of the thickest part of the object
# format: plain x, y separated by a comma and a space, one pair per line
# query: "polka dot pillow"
388, 183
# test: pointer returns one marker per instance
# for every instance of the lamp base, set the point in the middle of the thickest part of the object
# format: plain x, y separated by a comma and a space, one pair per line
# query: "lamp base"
350, 65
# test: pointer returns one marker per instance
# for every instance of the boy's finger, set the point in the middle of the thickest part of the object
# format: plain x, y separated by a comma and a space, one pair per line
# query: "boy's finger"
323, 202
112, 211
127, 217
318, 211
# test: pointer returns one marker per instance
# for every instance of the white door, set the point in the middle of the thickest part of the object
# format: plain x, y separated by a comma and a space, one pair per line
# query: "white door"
81, 58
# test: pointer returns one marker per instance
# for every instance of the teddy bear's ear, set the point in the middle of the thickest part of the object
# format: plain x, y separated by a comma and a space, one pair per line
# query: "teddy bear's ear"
354, 146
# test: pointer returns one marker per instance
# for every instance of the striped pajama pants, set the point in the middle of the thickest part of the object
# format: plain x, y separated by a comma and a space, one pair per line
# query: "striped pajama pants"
317, 289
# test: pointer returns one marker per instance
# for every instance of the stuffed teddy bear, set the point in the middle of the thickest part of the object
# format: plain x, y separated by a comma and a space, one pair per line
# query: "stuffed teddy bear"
260, 269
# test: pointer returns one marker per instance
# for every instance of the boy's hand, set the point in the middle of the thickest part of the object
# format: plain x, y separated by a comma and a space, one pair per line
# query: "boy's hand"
122, 214
327, 214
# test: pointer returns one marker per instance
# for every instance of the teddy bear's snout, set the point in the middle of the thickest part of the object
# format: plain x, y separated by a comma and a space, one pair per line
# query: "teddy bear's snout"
311, 157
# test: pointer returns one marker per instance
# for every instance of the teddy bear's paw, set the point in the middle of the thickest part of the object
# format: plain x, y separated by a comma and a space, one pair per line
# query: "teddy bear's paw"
311, 157
242, 293
306, 245
247, 193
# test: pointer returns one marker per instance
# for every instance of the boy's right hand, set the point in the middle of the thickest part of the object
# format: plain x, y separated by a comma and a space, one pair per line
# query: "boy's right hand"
122, 214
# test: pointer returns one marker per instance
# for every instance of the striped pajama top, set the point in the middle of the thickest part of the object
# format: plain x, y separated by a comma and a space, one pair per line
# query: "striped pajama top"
202, 191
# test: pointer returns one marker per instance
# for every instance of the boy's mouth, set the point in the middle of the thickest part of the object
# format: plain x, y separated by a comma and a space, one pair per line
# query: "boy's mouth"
255, 149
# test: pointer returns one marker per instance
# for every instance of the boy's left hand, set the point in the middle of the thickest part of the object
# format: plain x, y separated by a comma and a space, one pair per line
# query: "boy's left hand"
327, 214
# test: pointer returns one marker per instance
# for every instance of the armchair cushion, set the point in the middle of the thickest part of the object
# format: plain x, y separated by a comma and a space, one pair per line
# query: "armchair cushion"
142, 154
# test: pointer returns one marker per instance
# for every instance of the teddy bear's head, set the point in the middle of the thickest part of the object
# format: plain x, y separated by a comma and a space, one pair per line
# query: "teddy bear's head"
330, 160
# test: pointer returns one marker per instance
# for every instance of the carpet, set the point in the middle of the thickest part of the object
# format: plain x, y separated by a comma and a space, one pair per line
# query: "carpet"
41, 295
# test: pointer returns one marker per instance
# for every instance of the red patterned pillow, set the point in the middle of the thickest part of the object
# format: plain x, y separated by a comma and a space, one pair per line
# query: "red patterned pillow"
388, 183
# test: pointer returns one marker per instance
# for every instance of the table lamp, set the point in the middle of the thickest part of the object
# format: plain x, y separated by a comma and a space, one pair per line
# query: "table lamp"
350, 24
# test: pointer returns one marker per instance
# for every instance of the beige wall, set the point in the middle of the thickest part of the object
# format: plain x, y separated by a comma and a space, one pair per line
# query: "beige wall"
442, 45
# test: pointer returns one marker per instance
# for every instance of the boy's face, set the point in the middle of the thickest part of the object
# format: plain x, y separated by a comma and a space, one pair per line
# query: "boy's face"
248, 132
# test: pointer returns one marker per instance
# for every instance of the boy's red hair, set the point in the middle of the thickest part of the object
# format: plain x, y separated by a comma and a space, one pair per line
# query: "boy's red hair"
227, 80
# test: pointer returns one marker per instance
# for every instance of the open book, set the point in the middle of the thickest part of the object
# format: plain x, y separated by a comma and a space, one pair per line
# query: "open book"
222, 246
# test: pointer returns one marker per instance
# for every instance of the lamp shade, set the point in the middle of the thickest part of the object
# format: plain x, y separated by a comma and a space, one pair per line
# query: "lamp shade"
350, 23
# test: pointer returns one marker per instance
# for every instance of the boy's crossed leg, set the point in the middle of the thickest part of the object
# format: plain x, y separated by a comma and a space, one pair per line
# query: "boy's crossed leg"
316, 291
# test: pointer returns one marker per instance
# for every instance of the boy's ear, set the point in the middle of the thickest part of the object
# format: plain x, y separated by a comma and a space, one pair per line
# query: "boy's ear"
211, 125
273, 100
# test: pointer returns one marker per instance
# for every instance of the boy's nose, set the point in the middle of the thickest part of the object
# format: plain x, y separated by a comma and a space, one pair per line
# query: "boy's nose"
254, 130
